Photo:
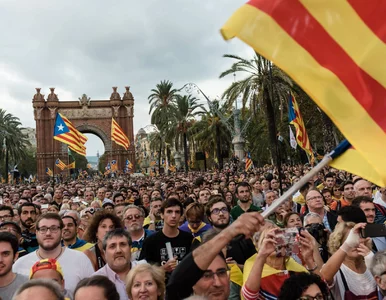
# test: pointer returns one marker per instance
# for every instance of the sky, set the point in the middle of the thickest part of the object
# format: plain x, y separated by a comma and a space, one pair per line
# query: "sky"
89, 46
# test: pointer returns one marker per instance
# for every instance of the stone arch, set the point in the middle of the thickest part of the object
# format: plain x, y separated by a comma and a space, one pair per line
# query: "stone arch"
88, 116
89, 128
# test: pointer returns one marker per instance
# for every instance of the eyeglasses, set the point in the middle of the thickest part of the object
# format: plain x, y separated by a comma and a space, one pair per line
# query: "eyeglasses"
317, 297
5, 217
52, 229
221, 273
217, 211
315, 198
131, 217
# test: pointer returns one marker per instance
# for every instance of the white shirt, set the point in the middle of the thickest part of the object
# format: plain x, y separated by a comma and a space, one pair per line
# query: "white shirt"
359, 284
119, 284
75, 266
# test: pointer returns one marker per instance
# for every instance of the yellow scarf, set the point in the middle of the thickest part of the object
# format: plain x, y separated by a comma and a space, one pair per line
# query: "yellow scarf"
198, 229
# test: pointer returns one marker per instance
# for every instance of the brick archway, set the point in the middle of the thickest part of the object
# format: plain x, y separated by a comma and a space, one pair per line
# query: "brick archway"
88, 116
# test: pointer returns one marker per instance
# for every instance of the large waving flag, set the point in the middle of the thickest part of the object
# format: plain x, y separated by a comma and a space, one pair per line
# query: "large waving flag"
295, 118
333, 50
61, 165
66, 133
118, 136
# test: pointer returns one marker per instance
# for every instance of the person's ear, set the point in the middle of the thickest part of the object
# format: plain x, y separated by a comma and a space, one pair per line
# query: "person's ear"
15, 257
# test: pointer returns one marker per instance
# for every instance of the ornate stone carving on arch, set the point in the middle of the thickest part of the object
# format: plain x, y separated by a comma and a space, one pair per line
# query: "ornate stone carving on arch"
88, 128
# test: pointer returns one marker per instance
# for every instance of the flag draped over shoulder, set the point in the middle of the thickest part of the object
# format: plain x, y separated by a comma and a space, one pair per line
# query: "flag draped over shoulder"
61, 165
295, 118
118, 136
333, 50
66, 133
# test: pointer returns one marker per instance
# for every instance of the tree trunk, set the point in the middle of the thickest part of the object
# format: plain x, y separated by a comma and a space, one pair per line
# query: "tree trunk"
218, 146
6, 163
271, 125
186, 152
159, 156
329, 142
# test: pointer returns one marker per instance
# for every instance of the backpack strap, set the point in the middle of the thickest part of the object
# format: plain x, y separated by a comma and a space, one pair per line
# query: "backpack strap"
380, 208
344, 280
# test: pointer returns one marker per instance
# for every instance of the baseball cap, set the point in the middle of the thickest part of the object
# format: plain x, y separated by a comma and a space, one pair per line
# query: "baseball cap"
107, 201
11, 223
46, 264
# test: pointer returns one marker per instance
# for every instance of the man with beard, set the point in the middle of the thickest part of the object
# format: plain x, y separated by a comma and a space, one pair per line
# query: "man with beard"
27, 214
69, 236
9, 281
218, 215
243, 194
154, 221
133, 217
117, 248
58, 198
75, 264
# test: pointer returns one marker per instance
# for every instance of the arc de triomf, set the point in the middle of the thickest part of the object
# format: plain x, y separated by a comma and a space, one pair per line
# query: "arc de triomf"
88, 116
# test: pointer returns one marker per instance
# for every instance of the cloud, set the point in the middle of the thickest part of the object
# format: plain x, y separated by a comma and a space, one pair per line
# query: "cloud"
91, 45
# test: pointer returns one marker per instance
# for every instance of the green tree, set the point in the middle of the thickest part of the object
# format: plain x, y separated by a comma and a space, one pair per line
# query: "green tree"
80, 160
14, 142
265, 86
186, 109
27, 165
211, 133
156, 142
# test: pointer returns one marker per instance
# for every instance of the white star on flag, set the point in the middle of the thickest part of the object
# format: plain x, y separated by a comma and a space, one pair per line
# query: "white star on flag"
60, 127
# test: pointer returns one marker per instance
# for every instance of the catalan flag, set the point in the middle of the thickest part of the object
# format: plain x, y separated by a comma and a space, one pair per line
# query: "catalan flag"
248, 162
118, 136
71, 165
49, 172
66, 133
61, 165
295, 118
333, 50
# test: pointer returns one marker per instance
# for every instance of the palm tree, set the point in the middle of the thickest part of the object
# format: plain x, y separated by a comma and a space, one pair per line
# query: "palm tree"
211, 133
265, 86
156, 141
185, 110
14, 142
161, 102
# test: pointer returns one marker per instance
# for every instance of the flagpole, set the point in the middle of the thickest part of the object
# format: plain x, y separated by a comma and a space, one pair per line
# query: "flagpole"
343, 146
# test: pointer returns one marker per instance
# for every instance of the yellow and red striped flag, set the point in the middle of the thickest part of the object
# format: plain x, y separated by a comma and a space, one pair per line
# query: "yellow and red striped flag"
332, 49
295, 118
71, 165
118, 136
65, 132
61, 165
248, 162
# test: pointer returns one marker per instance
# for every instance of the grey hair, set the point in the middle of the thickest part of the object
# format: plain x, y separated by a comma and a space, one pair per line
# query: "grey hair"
49, 284
118, 232
311, 215
133, 206
378, 264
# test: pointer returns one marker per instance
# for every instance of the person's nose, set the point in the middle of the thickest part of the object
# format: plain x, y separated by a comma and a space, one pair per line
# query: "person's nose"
216, 280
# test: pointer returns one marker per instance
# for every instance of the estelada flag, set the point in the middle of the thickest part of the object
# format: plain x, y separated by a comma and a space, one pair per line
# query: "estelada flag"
65, 132
333, 50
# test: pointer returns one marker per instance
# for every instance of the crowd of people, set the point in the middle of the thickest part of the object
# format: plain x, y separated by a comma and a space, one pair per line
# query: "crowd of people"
194, 236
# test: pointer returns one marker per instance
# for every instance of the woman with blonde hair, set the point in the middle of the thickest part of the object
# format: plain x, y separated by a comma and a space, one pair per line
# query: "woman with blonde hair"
346, 271
147, 281
266, 271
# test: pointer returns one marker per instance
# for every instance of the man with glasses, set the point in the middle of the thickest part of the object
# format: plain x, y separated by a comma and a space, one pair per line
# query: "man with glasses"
315, 204
204, 271
218, 215
6, 213
133, 217
75, 264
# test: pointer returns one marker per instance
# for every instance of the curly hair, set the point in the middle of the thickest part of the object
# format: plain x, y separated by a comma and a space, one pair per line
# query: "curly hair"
339, 235
295, 285
92, 229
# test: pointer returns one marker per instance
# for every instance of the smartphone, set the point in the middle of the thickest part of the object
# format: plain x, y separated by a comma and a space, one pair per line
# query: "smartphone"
374, 230
44, 206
